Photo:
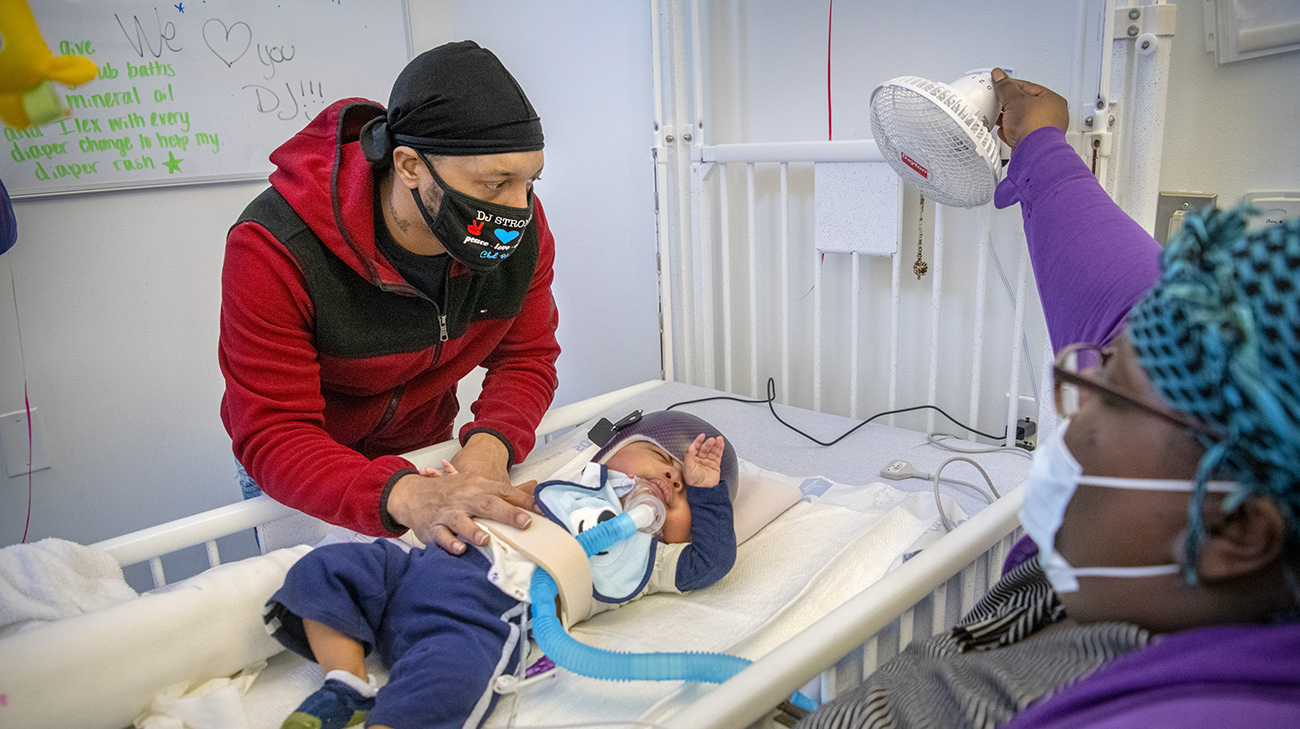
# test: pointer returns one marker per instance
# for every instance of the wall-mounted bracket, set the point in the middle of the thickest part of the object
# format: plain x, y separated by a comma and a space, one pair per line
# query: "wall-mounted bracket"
1132, 23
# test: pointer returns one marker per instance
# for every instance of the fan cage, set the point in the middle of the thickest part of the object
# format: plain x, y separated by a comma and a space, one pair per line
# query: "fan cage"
939, 132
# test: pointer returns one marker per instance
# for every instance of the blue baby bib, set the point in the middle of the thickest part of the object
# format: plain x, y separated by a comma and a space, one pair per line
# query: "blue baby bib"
622, 571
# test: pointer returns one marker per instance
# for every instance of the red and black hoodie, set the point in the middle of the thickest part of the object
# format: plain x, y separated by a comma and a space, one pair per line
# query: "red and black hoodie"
334, 363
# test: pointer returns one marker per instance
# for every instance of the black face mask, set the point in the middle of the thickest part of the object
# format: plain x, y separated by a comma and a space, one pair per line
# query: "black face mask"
479, 234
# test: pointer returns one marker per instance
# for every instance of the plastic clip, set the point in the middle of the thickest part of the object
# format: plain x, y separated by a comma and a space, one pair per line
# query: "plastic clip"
603, 431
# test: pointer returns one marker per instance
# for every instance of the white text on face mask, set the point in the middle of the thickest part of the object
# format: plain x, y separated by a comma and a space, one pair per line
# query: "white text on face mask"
503, 221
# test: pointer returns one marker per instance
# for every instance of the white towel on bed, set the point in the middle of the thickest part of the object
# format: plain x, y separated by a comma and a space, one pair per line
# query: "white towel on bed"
52, 579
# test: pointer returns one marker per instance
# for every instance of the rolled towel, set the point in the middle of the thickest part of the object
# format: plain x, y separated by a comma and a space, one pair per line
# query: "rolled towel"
53, 579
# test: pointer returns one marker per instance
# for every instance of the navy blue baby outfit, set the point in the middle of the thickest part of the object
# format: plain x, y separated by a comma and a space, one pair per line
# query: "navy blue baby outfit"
442, 629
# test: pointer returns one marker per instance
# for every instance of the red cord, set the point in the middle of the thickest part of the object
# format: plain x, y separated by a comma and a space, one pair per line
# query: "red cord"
829, 15
28, 404
18, 322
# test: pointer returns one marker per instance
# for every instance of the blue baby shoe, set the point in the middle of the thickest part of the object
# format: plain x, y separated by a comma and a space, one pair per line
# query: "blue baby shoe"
334, 706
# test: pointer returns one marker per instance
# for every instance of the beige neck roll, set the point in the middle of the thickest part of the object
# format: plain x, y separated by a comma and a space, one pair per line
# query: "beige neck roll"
552, 548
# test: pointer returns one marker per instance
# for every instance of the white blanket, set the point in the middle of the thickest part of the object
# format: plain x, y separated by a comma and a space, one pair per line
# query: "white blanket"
831, 545
52, 579
809, 560
102, 668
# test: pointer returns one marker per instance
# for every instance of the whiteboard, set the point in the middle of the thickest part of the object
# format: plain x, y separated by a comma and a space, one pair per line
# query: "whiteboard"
200, 90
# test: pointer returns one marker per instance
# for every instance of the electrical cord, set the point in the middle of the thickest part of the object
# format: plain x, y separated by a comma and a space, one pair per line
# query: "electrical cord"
937, 440
946, 524
899, 470
771, 398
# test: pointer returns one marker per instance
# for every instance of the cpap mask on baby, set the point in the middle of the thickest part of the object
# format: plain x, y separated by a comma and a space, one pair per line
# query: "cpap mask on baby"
1051, 484
644, 506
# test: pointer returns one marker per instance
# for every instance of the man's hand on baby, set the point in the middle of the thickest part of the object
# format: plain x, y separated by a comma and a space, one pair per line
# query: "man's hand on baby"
438, 508
483, 454
1027, 107
703, 465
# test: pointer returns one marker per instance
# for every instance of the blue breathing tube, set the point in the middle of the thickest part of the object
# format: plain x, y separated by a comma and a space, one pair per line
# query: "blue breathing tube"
585, 660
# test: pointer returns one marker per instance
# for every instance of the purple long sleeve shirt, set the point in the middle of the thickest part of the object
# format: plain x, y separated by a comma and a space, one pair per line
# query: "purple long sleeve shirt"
1092, 263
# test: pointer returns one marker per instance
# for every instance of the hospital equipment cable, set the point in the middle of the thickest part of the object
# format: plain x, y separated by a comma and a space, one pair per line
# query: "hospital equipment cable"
585, 660
937, 440
900, 470
27, 403
771, 398
935, 482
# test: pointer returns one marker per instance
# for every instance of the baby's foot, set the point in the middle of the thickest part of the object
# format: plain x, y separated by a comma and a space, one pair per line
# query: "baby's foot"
335, 706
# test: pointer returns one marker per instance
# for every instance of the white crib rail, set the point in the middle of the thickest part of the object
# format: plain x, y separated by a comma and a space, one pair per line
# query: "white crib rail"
793, 345
205, 528
851, 629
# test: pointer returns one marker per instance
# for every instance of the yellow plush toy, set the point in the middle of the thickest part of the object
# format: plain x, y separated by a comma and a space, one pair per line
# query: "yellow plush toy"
27, 66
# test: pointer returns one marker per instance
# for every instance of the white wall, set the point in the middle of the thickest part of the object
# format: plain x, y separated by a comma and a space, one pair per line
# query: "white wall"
118, 293
1230, 129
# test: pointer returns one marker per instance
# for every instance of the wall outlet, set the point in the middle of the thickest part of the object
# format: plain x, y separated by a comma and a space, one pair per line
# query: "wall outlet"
1172, 207
1027, 434
16, 446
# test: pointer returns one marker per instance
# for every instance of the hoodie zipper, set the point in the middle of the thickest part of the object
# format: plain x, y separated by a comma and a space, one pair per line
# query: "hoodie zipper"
395, 399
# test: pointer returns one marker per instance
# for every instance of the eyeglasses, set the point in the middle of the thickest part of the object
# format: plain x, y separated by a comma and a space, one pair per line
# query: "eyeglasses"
1076, 375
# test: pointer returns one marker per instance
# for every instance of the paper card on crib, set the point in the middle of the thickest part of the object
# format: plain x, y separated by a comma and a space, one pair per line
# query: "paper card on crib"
856, 207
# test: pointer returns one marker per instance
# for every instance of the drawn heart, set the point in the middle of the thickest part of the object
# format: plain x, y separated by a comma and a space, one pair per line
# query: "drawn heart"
506, 236
222, 45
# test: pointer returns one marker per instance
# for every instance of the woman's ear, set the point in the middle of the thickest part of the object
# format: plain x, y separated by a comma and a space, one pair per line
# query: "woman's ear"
406, 163
1243, 542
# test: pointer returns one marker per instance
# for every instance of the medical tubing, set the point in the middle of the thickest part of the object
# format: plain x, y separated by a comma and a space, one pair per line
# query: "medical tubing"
572, 655
582, 659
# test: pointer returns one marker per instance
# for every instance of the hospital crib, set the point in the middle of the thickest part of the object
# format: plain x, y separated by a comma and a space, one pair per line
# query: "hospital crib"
925, 596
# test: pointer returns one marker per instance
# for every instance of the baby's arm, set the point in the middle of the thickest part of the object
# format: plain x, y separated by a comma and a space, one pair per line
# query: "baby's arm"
703, 465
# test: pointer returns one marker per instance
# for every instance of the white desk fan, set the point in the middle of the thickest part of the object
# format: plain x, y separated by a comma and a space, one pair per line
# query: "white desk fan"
938, 136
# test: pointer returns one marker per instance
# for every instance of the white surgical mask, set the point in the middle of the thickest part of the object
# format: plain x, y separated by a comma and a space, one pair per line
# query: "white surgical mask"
1052, 481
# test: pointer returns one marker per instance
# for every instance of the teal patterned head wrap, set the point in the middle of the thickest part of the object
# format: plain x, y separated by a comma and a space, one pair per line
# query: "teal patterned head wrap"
1219, 337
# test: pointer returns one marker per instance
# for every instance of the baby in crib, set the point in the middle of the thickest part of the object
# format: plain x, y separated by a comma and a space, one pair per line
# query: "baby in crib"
446, 631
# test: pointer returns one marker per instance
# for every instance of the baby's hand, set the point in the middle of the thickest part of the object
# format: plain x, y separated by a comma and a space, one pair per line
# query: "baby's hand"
703, 465
447, 470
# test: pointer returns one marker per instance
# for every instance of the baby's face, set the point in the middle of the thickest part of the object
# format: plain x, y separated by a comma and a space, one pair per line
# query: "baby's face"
646, 460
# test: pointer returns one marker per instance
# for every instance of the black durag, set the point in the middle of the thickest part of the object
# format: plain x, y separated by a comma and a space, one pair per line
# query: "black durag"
454, 100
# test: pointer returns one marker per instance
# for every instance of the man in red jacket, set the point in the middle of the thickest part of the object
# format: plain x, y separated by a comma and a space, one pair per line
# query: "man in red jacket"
395, 251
